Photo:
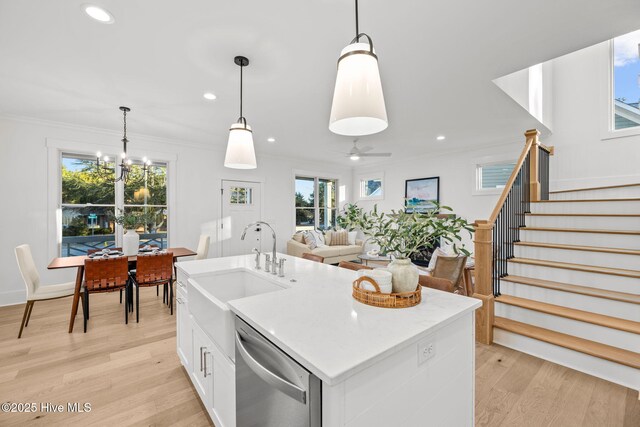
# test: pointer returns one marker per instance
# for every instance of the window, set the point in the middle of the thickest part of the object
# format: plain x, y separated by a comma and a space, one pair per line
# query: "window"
89, 202
626, 81
241, 196
493, 176
315, 203
371, 188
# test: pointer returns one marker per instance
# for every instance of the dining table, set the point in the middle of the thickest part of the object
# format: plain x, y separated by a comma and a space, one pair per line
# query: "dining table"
78, 263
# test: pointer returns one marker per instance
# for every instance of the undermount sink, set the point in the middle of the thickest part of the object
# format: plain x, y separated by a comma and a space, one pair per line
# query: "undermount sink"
208, 297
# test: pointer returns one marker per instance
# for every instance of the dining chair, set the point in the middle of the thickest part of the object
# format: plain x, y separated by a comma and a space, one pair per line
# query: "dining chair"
313, 257
353, 266
106, 275
203, 247
93, 251
35, 292
153, 270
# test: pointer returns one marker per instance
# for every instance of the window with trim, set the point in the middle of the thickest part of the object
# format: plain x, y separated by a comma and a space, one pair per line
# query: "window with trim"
371, 188
315, 203
89, 202
493, 176
626, 81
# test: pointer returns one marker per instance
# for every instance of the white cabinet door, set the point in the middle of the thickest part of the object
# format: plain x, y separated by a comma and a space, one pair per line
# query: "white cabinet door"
183, 338
224, 389
202, 365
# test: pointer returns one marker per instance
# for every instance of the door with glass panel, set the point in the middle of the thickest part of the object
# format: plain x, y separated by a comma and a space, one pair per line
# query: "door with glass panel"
241, 205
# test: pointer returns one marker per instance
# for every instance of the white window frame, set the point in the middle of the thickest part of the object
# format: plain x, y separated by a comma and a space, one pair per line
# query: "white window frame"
488, 161
362, 179
55, 149
316, 201
607, 107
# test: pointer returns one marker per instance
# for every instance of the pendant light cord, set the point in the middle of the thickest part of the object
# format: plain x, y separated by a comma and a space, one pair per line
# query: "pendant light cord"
357, 23
124, 137
241, 66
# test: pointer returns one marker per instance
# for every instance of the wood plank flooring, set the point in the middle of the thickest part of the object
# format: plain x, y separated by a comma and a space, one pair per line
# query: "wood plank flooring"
131, 376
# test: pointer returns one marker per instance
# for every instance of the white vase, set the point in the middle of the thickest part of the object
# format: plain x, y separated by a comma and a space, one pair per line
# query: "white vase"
130, 243
404, 275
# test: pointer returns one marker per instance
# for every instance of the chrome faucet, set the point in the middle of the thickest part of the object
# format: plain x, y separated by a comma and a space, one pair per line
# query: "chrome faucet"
257, 252
274, 261
281, 267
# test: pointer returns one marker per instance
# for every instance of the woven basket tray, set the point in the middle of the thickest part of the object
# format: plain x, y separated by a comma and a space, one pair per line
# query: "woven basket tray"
378, 299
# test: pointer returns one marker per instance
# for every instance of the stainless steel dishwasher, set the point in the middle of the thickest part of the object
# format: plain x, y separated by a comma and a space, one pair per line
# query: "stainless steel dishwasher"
272, 389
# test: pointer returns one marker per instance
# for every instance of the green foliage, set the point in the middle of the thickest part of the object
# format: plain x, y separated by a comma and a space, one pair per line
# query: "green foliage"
403, 234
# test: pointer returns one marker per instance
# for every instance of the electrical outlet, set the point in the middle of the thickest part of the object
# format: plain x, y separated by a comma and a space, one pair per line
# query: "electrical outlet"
426, 350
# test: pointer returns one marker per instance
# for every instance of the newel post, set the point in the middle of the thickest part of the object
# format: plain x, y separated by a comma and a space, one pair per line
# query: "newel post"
534, 160
483, 252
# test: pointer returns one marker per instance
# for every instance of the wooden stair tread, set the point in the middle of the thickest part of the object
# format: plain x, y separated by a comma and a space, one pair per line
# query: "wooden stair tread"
592, 348
621, 251
582, 230
576, 289
607, 187
572, 313
616, 215
578, 267
635, 199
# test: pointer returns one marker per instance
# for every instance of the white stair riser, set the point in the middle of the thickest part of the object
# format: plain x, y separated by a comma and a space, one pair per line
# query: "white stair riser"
628, 285
603, 240
601, 368
585, 222
600, 259
605, 193
623, 310
589, 331
622, 207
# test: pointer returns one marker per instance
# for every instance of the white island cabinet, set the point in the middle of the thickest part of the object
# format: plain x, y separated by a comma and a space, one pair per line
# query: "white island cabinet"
378, 367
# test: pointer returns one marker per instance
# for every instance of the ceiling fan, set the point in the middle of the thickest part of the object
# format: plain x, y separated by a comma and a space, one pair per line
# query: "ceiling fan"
357, 152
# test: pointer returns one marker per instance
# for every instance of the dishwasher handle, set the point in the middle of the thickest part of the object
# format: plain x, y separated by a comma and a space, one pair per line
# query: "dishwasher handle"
279, 383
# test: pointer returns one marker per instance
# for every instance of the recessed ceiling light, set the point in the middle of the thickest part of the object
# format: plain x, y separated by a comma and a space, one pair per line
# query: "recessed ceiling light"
210, 96
98, 13
271, 139
354, 157
440, 138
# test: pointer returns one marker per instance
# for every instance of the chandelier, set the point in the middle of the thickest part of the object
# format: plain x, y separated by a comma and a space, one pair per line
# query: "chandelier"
125, 162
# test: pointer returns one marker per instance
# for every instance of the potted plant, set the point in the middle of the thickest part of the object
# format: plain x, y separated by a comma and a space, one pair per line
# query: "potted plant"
402, 234
131, 239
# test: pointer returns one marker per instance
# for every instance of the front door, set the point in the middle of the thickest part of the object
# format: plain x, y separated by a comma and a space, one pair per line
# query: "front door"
241, 205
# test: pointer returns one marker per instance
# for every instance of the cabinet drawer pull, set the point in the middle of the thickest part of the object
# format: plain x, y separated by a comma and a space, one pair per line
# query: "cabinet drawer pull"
180, 300
201, 348
205, 363
181, 284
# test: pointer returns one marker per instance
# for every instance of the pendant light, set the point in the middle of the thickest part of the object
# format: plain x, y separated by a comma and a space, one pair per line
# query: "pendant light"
358, 102
240, 152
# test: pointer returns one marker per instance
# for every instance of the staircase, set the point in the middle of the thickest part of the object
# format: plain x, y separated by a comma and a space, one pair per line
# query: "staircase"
572, 292
559, 272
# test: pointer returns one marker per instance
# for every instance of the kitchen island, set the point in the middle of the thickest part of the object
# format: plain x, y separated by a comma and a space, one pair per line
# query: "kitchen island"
377, 367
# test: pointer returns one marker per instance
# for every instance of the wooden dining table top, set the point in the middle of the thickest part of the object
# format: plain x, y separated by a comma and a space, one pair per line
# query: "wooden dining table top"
78, 261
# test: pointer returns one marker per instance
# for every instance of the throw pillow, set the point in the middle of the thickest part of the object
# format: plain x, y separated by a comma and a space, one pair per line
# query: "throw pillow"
352, 237
298, 237
327, 237
310, 240
340, 238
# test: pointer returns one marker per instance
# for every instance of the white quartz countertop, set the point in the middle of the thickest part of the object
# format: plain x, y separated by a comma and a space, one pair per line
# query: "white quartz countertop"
318, 323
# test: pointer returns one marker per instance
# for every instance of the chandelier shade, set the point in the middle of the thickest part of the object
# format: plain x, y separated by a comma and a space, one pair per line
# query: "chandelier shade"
240, 152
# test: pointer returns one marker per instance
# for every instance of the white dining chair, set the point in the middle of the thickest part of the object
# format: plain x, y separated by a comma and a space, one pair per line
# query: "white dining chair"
35, 292
203, 246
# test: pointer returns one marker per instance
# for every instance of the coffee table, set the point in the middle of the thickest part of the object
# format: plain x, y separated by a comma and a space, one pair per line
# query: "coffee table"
375, 259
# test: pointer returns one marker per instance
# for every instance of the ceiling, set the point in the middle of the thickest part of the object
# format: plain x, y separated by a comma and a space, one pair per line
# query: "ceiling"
437, 61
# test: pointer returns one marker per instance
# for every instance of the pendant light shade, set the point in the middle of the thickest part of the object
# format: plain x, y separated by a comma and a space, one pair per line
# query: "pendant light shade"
240, 152
358, 106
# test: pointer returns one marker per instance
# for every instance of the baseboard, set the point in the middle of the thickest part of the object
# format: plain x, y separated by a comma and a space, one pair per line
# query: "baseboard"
589, 182
12, 298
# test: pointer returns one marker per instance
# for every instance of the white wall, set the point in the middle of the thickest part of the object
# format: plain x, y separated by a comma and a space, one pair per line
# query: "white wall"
24, 184
457, 180
583, 157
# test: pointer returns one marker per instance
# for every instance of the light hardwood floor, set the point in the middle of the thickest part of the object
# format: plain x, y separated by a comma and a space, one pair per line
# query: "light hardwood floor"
130, 374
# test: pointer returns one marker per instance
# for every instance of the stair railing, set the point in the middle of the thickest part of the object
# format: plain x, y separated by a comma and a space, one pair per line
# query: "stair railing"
494, 238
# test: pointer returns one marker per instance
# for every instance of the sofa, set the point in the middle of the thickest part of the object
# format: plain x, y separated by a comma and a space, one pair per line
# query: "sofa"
331, 254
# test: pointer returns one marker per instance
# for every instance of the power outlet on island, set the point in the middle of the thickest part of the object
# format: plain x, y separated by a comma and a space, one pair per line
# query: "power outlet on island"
426, 350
